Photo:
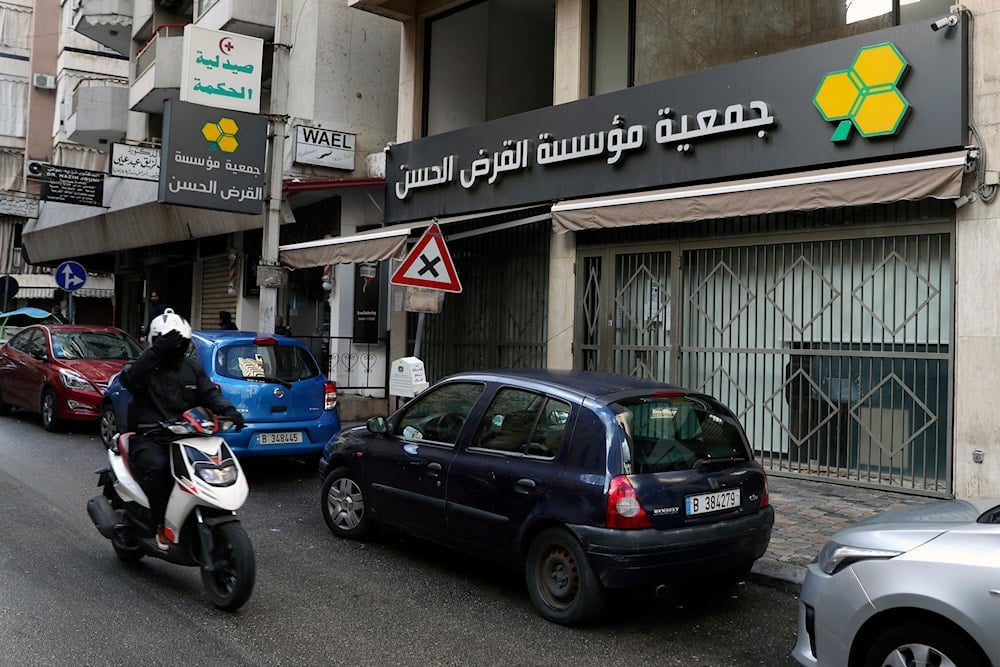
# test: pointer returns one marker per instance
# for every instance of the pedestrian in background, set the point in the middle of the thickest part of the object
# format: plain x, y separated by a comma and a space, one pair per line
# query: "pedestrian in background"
156, 307
280, 328
226, 321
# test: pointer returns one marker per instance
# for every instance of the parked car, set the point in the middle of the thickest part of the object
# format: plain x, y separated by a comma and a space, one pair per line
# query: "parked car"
289, 407
913, 586
586, 481
61, 371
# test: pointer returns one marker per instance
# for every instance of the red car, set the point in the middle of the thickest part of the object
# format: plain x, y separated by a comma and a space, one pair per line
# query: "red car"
61, 371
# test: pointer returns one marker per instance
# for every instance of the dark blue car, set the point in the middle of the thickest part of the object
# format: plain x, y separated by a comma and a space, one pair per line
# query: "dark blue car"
586, 481
289, 407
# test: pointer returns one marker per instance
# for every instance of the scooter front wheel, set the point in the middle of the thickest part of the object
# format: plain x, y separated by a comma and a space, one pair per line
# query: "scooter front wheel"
230, 578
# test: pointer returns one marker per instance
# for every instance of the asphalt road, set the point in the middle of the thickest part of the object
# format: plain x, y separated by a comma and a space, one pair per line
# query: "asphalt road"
65, 599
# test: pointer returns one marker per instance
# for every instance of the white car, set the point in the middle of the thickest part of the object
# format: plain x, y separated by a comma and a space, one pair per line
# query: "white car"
912, 587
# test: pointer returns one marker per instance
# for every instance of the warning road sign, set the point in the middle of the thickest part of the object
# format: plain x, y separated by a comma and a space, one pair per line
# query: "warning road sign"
428, 265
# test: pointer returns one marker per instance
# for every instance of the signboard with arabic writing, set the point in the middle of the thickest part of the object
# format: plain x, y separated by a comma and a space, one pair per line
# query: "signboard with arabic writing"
21, 206
142, 162
72, 186
767, 115
221, 69
213, 158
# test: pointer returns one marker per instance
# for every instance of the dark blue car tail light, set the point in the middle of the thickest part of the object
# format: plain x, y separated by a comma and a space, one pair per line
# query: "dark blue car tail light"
624, 509
669, 393
765, 499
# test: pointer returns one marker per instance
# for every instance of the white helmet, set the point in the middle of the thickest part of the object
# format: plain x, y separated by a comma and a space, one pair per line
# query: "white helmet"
167, 322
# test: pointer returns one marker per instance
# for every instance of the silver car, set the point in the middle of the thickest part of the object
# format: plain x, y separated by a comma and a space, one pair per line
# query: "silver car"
914, 586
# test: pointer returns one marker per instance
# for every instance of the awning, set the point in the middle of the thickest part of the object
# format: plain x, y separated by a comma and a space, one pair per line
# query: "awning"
132, 219
387, 242
43, 286
938, 176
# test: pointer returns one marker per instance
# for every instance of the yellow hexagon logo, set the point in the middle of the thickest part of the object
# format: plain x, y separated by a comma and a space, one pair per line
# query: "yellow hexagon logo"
222, 135
865, 96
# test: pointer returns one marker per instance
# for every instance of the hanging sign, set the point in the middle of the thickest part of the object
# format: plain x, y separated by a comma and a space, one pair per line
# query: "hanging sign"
428, 265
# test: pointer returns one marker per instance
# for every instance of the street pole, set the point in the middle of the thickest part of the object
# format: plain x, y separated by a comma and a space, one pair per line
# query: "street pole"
269, 273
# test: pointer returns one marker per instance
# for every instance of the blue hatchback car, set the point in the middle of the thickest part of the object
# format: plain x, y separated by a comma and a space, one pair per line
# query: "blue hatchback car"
587, 482
289, 407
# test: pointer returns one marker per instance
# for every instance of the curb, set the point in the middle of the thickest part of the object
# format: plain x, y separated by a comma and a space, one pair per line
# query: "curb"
780, 575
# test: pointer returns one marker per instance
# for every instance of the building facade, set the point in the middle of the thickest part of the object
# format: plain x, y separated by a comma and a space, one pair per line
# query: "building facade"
326, 94
789, 208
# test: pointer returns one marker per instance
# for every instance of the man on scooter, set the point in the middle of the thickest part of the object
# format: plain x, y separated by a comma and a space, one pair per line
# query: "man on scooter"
165, 382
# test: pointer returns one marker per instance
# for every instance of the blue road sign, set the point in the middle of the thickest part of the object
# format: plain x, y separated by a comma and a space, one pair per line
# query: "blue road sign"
71, 276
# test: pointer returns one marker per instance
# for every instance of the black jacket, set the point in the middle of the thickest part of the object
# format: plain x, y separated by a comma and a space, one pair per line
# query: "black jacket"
161, 393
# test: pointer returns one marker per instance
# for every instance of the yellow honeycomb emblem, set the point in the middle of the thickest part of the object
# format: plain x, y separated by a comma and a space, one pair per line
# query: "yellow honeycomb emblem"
865, 96
222, 135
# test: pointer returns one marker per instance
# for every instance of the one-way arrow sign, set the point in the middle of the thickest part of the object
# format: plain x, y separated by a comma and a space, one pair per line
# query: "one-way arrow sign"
428, 265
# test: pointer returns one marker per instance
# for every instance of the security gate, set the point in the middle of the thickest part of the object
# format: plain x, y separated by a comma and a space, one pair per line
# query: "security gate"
834, 352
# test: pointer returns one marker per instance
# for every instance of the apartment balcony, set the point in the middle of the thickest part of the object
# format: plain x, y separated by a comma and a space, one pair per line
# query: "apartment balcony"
98, 112
246, 17
108, 22
157, 75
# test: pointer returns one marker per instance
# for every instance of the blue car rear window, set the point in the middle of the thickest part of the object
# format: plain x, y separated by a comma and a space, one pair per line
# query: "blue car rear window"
288, 363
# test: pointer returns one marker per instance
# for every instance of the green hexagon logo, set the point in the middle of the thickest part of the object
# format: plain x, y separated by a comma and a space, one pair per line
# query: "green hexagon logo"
221, 135
865, 96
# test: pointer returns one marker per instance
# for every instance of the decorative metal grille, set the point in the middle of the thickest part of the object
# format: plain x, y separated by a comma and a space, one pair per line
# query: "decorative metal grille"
834, 354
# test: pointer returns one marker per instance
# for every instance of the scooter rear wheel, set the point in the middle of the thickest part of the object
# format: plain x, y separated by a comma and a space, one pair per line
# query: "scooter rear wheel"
230, 583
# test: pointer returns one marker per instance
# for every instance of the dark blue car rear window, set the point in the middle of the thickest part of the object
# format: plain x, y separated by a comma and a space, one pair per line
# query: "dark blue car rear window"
288, 363
667, 434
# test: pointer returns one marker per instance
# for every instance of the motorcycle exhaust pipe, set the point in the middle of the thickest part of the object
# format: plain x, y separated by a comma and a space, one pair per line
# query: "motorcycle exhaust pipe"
103, 515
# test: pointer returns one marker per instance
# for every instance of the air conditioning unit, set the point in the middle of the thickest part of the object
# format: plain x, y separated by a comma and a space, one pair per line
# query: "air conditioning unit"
44, 81
36, 169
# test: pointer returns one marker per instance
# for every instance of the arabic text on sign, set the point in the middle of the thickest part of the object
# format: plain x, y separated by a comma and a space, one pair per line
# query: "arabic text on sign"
614, 143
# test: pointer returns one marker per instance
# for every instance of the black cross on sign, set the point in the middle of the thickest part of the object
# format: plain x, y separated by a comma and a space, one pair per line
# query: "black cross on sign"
428, 266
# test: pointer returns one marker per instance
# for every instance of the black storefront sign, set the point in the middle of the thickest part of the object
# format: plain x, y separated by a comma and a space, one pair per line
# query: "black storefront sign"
757, 117
213, 158
366, 302
72, 186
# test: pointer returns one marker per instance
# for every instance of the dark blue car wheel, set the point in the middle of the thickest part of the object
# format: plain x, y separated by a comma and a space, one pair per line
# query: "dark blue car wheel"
561, 582
344, 507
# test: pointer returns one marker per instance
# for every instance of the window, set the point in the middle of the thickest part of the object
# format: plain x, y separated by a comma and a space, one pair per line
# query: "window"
440, 415
523, 422
286, 363
641, 41
665, 434
488, 60
94, 345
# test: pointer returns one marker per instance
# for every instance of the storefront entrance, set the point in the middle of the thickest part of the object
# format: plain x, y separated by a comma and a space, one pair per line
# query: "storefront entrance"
832, 346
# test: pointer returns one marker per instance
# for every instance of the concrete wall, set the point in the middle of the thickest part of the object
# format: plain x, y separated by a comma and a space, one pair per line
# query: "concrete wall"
977, 274
344, 71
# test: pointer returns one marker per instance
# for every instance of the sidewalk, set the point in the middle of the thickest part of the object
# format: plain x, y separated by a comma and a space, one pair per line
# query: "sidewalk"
807, 513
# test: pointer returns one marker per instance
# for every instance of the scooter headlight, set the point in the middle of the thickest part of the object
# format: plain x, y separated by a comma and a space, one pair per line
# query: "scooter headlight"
216, 475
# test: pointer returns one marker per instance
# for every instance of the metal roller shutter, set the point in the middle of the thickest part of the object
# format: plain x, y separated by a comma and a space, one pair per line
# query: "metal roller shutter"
215, 292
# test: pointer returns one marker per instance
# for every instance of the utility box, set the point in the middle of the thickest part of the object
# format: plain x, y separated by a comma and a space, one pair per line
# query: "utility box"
406, 377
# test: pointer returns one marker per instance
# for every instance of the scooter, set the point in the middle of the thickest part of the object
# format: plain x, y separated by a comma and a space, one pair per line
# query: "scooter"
201, 523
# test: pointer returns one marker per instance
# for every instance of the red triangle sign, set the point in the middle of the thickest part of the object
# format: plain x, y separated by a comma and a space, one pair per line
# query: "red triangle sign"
428, 265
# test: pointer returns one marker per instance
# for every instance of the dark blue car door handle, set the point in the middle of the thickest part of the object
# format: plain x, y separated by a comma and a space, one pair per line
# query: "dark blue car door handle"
434, 469
525, 485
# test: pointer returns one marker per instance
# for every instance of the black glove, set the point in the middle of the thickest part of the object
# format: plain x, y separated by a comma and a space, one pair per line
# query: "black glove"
168, 341
233, 415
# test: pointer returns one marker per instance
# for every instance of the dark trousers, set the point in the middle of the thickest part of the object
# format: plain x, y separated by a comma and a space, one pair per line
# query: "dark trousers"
150, 462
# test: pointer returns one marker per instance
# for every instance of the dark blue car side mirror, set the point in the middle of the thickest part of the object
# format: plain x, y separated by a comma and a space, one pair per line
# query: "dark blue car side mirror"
377, 425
